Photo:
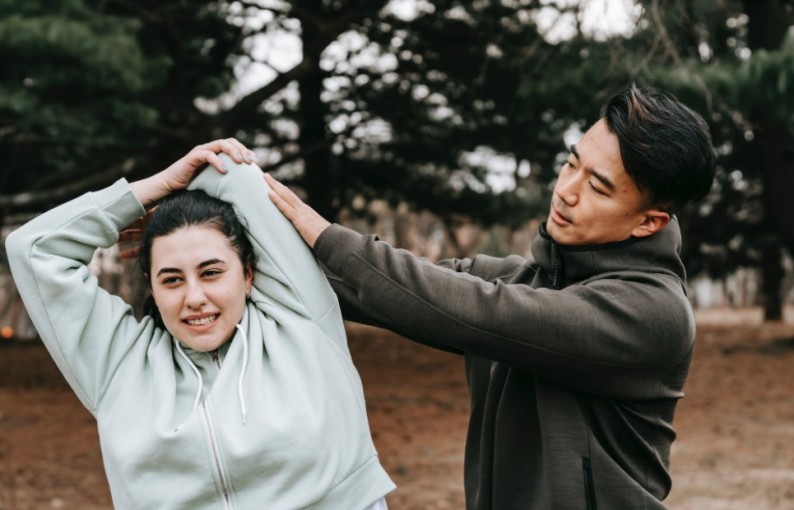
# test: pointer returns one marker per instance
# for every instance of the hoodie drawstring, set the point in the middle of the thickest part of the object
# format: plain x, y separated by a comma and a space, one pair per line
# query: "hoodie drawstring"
240, 392
198, 376
242, 373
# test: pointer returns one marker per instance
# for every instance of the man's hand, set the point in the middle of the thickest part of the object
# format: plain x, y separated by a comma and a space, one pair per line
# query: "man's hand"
306, 220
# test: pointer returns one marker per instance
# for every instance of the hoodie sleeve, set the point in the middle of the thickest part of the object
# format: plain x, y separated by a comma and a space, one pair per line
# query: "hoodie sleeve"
614, 337
287, 273
87, 331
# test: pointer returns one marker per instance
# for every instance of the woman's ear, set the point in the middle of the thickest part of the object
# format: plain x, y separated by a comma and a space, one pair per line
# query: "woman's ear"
249, 279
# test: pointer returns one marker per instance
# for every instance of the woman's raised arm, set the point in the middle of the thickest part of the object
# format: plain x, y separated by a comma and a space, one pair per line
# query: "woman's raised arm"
287, 274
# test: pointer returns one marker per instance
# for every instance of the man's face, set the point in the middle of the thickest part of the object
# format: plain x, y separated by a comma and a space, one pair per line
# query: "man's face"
595, 201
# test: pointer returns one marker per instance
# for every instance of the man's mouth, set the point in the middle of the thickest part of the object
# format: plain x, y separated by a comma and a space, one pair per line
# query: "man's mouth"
558, 217
202, 321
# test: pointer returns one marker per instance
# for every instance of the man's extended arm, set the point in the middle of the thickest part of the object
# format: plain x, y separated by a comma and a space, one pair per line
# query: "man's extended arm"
617, 337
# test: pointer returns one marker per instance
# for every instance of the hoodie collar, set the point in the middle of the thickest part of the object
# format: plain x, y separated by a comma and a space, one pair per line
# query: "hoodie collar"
196, 358
566, 265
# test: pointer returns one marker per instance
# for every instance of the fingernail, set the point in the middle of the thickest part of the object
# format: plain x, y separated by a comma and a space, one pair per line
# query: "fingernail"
239, 156
248, 158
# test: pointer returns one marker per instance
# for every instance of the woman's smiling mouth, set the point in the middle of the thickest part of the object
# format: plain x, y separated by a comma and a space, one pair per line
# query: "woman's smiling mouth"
202, 321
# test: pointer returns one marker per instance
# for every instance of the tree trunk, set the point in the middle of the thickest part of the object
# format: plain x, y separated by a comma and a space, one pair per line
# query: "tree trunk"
318, 178
771, 279
767, 26
772, 147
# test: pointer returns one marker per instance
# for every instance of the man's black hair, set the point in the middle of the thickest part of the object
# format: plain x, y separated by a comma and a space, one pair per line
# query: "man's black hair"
665, 147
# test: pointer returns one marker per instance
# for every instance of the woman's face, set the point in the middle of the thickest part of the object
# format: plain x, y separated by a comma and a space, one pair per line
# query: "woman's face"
199, 286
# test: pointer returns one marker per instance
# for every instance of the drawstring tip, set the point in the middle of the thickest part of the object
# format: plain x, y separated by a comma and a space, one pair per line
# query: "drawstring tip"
245, 416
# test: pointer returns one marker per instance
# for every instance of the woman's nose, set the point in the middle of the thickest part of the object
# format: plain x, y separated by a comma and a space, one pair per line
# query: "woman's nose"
195, 296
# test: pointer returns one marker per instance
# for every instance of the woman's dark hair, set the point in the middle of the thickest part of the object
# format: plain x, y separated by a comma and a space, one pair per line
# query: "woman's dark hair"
192, 208
665, 147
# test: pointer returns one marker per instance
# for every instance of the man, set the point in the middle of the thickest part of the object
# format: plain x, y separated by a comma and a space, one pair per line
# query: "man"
575, 362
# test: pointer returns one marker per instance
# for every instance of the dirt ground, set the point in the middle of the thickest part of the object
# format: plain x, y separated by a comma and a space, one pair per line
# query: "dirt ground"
736, 426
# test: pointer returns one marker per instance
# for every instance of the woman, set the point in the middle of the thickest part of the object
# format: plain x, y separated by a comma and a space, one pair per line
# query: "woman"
238, 390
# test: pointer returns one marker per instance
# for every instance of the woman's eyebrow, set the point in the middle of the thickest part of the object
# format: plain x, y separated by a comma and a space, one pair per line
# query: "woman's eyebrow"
169, 270
199, 266
210, 262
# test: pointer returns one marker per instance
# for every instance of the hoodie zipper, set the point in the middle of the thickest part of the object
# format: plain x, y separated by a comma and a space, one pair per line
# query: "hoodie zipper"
227, 500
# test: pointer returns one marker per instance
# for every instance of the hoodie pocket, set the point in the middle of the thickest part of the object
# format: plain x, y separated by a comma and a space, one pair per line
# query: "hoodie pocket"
589, 488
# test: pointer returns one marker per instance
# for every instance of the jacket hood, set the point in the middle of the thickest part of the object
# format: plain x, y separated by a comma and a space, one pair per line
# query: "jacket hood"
565, 265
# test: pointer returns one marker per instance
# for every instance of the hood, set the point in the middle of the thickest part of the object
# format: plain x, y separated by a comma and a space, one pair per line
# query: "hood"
563, 265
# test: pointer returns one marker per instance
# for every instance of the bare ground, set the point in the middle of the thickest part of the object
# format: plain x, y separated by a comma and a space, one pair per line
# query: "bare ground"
736, 426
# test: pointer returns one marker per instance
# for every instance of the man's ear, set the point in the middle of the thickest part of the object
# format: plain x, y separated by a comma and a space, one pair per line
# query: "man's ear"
654, 221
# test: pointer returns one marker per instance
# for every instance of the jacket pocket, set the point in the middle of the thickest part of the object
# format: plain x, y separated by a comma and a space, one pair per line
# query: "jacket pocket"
589, 488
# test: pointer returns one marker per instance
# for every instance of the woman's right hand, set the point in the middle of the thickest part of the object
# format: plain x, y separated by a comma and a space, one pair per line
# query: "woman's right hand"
180, 173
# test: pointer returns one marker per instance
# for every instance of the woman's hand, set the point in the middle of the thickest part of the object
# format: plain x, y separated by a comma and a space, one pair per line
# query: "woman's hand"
181, 172
132, 236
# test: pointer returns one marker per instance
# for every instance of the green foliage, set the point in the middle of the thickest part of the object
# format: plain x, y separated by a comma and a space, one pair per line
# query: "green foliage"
732, 62
85, 85
384, 107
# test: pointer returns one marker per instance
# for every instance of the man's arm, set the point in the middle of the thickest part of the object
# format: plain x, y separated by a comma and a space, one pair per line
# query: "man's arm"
617, 337
625, 336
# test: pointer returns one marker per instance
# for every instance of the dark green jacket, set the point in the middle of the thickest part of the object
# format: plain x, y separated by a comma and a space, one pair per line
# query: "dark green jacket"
575, 361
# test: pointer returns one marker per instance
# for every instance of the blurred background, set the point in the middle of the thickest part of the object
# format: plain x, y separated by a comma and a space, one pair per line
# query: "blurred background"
440, 126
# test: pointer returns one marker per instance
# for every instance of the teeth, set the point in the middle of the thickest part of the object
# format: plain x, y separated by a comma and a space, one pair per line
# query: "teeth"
203, 321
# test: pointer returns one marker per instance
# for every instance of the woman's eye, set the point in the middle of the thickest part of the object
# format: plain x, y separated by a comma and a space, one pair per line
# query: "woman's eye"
171, 280
211, 272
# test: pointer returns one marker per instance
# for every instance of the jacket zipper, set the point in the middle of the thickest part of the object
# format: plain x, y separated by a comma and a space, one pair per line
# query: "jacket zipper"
589, 488
227, 500
555, 265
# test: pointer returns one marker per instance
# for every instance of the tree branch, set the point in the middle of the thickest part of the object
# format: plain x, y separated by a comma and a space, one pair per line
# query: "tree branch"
247, 106
27, 200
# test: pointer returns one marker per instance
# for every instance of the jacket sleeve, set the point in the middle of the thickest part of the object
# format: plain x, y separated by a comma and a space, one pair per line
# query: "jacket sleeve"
287, 273
482, 266
87, 331
617, 337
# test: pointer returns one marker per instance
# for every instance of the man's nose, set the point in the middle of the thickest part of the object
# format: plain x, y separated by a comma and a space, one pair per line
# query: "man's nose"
568, 191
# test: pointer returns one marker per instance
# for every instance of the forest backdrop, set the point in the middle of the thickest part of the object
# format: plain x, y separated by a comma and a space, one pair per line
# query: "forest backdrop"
460, 108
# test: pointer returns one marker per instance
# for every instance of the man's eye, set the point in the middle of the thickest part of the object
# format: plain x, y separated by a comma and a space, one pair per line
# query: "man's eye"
597, 190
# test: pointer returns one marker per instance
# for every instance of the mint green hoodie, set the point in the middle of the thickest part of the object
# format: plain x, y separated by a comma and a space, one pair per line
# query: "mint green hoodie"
275, 420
